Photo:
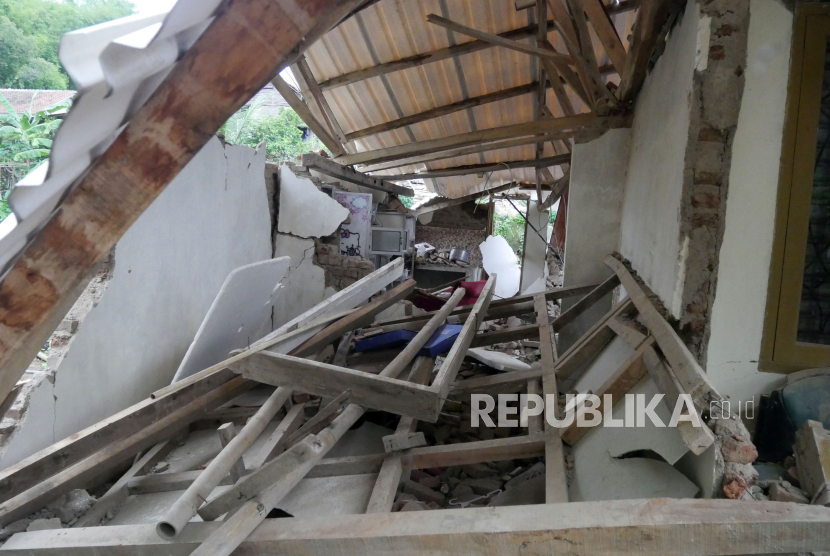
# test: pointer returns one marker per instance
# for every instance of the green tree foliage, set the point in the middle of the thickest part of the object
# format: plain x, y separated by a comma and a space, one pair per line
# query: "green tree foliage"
30, 32
282, 134
25, 142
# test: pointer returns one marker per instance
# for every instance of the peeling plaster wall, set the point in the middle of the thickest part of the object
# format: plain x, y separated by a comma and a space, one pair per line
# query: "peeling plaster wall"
650, 229
743, 268
598, 170
168, 269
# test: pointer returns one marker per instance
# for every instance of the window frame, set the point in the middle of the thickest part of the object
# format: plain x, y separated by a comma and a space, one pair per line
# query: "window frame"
780, 351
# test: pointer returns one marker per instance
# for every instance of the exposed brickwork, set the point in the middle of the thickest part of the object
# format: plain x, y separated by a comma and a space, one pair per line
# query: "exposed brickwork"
341, 270
447, 238
716, 103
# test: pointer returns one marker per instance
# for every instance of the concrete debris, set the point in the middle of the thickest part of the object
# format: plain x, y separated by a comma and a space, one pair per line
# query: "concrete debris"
414, 506
737, 478
531, 491
71, 506
498, 360
536, 470
299, 198
782, 491
423, 493
500, 259
18, 526
44, 525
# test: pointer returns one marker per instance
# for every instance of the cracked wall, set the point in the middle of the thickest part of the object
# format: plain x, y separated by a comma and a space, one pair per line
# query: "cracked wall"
171, 263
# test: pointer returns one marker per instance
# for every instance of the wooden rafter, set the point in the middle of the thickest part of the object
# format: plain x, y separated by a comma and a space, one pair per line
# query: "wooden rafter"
497, 40
485, 147
605, 30
487, 167
450, 52
646, 34
443, 111
306, 116
219, 72
317, 94
464, 139
330, 168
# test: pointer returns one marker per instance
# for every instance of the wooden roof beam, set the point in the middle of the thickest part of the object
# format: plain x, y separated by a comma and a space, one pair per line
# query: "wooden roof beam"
648, 31
447, 53
442, 111
465, 139
213, 79
490, 146
605, 31
302, 110
487, 167
331, 168
322, 103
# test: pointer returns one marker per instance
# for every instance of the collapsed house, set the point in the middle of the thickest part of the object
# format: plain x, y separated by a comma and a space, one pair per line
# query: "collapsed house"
255, 358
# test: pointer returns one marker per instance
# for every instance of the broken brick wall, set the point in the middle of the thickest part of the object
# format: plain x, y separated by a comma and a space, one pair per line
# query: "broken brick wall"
716, 102
341, 270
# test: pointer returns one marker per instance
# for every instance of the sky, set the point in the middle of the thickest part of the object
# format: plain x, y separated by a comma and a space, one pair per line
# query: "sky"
151, 6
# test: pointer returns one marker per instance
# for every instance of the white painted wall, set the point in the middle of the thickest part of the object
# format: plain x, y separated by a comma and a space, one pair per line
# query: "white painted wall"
743, 266
169, 267
650, 229
598, 170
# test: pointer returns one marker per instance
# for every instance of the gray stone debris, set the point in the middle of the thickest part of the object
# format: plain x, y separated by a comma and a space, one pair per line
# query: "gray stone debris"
45, 525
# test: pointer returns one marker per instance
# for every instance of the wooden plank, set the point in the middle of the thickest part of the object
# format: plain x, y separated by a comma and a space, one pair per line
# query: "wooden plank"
350, 465
465, 453
697, 439
682, 362
522, 303
606, 32
278, 439
464, 151
439, 111
513, 381
314, 89
423, 58
507, 335
464, 139
812, 454
330, 168
167, 482
453, 360
556, 479
163, 135
588, 346
69, 451
585, 303
557, 189
497, 40
357, 319
226, 433
617, 385
321, 420
117, 493
296, 104
391, 472
389, 394
557, 160
646, 34
77, 475
660, 527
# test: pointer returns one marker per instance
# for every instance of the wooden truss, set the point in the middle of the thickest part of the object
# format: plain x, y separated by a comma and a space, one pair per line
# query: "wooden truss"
297, 450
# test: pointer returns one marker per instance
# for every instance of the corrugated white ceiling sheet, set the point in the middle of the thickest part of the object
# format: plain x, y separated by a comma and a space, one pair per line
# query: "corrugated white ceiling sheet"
394, 29
116, 66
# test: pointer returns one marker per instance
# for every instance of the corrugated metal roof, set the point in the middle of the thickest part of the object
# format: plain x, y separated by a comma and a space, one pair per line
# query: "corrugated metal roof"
394, 29
33, 99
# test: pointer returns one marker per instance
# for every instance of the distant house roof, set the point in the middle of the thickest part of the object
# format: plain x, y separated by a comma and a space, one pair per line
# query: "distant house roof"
271, 101
21, 99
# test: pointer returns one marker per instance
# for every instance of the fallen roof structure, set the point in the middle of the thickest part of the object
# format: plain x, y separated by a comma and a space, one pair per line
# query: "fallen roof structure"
395, 92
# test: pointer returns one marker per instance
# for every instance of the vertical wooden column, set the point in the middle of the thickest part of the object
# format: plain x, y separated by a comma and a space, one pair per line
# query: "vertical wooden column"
556, 481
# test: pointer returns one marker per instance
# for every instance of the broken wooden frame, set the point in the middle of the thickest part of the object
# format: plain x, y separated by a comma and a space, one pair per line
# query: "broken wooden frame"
328, 167
389, 394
